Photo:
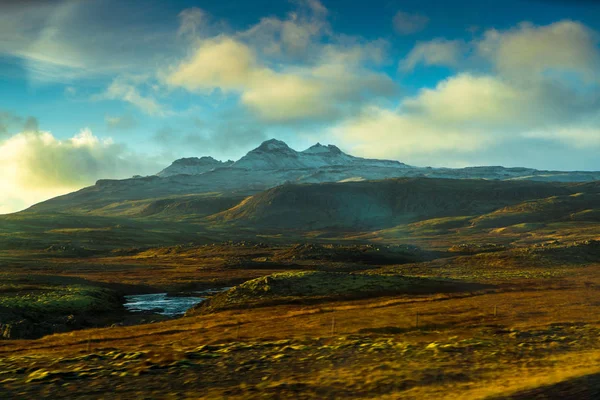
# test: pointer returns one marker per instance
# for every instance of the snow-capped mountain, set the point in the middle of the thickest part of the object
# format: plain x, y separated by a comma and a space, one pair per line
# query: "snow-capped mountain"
272, 154
331, 155
193, 166
274, 163
277, 155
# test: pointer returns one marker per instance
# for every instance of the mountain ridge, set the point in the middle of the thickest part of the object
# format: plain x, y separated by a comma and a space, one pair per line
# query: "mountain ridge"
193, 166
271, 164
275, 154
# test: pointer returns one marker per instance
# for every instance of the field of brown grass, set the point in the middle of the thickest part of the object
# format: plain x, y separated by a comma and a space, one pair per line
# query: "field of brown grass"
533, 331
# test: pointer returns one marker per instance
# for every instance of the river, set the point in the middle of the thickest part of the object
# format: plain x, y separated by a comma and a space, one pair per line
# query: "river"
162, 303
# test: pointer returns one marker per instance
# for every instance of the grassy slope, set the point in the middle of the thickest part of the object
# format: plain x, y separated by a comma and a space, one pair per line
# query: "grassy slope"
408, 210
376, 204
38, 231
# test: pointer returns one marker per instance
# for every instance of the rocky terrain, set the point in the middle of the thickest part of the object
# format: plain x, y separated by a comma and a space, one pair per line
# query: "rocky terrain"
193, 166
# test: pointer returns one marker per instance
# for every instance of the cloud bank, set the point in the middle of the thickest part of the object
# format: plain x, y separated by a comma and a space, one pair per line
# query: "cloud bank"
36, 165
529, 84
282, 73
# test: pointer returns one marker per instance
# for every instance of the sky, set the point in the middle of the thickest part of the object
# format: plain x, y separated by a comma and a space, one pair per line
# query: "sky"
109, 89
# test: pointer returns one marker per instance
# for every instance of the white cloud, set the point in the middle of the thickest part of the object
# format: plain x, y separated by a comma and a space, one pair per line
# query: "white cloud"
270, 68
440, 52
383, 133
291, 94
407, 24
33, 35
561, 50
281, 97
221, 62
530, 82
281, 68
36, 166
466, 114
533, 84
529, 50
451, 117
465, 97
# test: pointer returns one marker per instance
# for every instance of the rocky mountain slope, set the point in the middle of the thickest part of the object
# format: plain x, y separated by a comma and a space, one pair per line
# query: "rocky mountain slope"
271, 164
320, 163
275, 155
193, 166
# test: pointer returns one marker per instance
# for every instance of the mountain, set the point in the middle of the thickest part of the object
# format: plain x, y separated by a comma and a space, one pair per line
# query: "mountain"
320, 163
271, 164
272, 154
193, 166
275, 154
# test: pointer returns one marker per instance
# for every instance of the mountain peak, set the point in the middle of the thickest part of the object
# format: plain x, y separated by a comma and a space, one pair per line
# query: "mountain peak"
196, 161
273, 145
192, 166
321, 149
271, 154
276, 155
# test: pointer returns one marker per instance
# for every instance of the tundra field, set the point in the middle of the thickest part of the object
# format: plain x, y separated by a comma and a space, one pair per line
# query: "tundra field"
498, 303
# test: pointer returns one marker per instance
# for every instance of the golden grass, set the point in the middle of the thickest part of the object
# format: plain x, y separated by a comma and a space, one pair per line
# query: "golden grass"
537, 326
563, 316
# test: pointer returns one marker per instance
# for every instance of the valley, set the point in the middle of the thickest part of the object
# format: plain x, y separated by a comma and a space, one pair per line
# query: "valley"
403, 287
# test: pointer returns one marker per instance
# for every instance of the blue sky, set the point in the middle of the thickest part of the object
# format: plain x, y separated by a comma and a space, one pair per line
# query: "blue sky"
107, 89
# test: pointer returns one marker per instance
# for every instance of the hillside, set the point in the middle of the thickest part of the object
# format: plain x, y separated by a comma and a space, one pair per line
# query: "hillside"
376, 204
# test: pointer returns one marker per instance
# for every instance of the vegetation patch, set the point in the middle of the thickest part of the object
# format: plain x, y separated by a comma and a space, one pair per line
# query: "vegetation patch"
475, 248
290, 287
29, 309
367, 253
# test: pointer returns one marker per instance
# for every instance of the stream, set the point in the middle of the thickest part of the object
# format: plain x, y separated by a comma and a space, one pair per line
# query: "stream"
162, 303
